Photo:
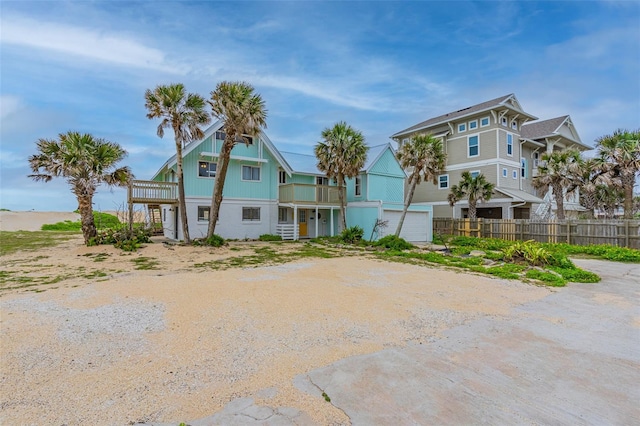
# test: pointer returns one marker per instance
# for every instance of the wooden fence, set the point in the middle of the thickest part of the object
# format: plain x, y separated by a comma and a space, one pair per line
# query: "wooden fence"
623, 233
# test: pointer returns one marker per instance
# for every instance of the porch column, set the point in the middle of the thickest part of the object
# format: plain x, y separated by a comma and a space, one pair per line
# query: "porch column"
332, 221
295, 223
317, 221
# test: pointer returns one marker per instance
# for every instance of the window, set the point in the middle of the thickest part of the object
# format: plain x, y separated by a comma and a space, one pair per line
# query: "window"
282, 177
282, 215
523, 167
164, 215
474, 174
484, 122
358, 186
503, 121
474, 146
220, 135
203, 213
514, 125
250, 214
536, 159
514, 174
245, 139
504, 172
443, 181
251, 173
207, 169
473, 124
462, 127
509, 144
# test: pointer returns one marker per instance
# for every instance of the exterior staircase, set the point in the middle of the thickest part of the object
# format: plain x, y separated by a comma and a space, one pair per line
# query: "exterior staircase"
154, 215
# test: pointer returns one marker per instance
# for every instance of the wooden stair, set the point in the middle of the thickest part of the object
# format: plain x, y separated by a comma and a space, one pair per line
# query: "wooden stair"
155, 219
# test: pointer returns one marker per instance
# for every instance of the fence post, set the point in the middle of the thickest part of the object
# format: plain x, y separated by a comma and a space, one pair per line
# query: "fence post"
568, 231
130, 200
626, 233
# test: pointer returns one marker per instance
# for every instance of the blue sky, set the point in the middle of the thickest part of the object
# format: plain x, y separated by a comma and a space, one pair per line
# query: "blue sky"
381, 66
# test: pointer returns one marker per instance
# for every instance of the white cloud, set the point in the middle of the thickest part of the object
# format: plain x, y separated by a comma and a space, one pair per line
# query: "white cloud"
89, 43
9, 105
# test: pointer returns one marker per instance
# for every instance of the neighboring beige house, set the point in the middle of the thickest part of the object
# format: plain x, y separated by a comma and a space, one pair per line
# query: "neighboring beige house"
500, 140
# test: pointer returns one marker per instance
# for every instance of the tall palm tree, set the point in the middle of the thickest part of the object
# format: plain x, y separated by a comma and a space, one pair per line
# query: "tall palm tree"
425, 158
590, 175
243, 112
558, 170
85, 162
621, 152
184, 113
341, 155
474, 189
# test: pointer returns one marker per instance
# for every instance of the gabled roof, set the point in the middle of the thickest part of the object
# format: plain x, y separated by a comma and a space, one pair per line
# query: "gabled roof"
551, 128
507, 101
308, 164
210, 131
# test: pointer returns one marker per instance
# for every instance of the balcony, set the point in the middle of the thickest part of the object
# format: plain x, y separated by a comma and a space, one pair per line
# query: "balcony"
152, 192
300, 193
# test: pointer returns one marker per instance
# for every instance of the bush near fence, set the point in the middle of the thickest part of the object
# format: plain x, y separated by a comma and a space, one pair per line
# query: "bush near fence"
621, 233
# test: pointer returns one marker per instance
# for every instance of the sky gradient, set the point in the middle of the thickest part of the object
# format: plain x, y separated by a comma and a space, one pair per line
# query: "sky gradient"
380, 66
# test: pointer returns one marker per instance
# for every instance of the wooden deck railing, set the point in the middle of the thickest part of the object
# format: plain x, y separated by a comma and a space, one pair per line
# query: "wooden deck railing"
309, 194
152, 192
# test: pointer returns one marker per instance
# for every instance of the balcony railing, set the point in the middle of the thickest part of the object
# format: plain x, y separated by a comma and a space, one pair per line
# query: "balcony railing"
148, 191
309, 194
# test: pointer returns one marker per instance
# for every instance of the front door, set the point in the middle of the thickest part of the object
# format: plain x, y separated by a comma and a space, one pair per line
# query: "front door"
302, 222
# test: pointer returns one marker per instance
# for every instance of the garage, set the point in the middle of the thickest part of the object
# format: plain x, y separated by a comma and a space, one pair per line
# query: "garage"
416, 225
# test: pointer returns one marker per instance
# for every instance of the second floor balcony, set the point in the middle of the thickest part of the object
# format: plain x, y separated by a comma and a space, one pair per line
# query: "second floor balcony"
300, 193
152, 192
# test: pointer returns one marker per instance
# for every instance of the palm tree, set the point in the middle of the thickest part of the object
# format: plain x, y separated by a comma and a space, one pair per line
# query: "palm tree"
85, 162
341, 155
589, 177
558, 170
424, 156
184, 113
243, 112
621, 152
474, 189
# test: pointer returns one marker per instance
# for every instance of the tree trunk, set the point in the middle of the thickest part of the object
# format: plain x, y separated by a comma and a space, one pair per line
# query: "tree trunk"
559, 196
341, 197
407, 203
472, 209
218, 185
182, 202
628, 180
86, 217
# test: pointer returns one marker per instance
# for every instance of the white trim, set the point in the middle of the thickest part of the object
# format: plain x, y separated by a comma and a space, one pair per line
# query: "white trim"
462, 127
207, 177
471, 172
480, 132
488, 118
481, 163
505, 172
509, 134
463, 202
251, 221
514, 174
474, 122
235, 157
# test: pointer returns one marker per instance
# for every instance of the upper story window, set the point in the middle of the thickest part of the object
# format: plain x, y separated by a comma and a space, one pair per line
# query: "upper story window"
282, 177
443, 181
207, 169
514, 125
245, 139
220, 135
514, 174
251, 173
523, 168
484, 122
474, 174
474, 146
509, 144
250, 214
505, 172
358, 186
473, 124
462, 127
503, 121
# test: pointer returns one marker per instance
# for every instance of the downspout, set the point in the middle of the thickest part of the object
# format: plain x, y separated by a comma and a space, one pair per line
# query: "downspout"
521, 157
518, 205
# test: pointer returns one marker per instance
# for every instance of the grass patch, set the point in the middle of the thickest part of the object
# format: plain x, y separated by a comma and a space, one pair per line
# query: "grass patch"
12, 242
548, 278
101, 220
145, 263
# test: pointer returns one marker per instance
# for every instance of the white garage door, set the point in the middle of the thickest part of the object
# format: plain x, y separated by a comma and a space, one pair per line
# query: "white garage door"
415, 227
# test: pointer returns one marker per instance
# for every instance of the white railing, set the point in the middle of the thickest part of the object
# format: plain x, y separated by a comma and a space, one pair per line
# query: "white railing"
142, 191
308, 193
288, 231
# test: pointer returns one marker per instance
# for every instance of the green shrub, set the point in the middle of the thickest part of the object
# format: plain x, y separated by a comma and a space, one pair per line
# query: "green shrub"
576, 275
270, 237
394, 243
214, 241
65, 226
548, 278
101, 220
122, 238
527, 251
352, 234
480, 243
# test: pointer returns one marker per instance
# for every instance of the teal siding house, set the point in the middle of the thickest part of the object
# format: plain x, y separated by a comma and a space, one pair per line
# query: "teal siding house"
272, 192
